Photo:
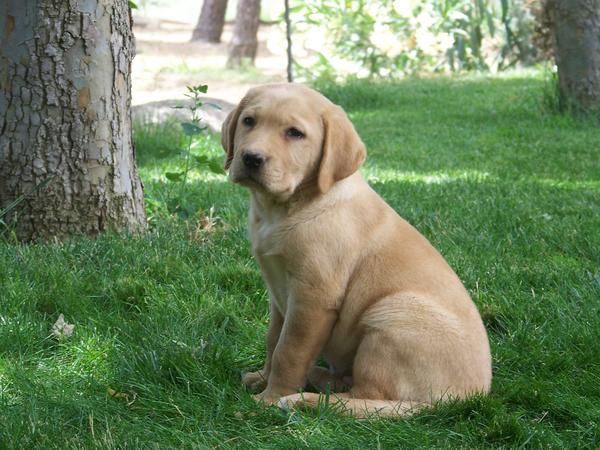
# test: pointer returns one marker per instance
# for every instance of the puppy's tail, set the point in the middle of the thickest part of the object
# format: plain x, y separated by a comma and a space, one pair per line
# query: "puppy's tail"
355, 407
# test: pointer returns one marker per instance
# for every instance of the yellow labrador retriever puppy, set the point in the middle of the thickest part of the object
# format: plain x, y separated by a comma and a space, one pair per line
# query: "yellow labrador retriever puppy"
349, 280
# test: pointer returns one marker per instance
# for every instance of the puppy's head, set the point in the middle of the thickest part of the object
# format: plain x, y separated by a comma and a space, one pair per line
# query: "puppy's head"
284, 137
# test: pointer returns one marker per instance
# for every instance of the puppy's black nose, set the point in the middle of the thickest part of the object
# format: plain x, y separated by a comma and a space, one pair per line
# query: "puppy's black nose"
252, 160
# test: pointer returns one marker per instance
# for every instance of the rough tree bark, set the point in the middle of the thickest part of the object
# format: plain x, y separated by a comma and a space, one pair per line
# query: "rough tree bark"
575, 29
65, 93
210, 24
244, 42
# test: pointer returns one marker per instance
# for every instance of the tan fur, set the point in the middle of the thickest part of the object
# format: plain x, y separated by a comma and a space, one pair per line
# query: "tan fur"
349, 280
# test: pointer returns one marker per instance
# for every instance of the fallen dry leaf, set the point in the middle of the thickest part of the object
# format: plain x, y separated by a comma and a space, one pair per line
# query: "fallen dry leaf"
128, 396
116, 394
62, 329
206, 224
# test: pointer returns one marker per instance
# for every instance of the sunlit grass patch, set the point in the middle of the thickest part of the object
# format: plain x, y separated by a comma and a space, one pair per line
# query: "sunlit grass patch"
383, 175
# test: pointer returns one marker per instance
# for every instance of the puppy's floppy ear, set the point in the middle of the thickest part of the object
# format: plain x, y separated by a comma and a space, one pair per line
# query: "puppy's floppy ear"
228, 133
229, 125
343, 152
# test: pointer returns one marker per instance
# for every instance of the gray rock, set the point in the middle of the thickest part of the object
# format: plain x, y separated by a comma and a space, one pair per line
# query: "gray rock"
212, 113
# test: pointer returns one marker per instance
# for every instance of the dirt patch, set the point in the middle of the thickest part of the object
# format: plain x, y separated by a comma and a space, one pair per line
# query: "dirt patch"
167, 62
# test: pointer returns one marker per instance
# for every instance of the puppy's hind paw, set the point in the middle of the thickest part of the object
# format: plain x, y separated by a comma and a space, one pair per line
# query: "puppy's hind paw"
290, 402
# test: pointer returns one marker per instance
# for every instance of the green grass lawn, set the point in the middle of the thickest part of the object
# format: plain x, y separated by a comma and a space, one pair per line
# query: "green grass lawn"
166, 322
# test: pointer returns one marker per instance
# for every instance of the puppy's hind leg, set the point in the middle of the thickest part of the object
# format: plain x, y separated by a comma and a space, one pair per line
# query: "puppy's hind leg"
346, 405
324, 380
384, 384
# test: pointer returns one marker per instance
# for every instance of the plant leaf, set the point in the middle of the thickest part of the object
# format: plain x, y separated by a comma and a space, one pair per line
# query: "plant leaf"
201, 159
201, 88
216, 167
174, 176
190, 129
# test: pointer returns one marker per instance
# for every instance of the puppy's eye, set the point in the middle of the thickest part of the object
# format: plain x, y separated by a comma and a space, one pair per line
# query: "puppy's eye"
249, 121
294, 133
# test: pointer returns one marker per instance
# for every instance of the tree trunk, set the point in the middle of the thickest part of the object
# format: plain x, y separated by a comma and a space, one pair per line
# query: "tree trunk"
244, 42
65, 94
210, 24
288, 36
576, 39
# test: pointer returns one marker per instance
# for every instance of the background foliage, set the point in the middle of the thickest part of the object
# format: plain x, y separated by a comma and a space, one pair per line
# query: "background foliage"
392, 38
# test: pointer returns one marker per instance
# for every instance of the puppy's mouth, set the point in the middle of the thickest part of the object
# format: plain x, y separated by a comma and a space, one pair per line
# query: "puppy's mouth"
247, 178
254, 181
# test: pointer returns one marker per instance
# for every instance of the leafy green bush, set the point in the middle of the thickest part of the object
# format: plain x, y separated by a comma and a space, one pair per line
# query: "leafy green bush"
391, 39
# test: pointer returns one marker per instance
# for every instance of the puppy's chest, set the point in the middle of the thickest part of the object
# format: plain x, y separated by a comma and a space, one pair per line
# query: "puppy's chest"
267, 247
266, 235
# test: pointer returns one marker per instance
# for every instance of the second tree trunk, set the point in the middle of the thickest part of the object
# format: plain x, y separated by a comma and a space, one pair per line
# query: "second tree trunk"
244, 42
211, 21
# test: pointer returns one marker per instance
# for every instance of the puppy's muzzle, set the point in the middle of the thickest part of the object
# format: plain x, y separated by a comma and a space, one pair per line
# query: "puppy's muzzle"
252, 160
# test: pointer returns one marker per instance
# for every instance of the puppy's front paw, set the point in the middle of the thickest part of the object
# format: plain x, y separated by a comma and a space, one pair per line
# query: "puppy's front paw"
266, 398
255, 381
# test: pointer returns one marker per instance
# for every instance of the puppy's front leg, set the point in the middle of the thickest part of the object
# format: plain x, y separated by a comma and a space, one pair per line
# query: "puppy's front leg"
305, 331
257, 381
